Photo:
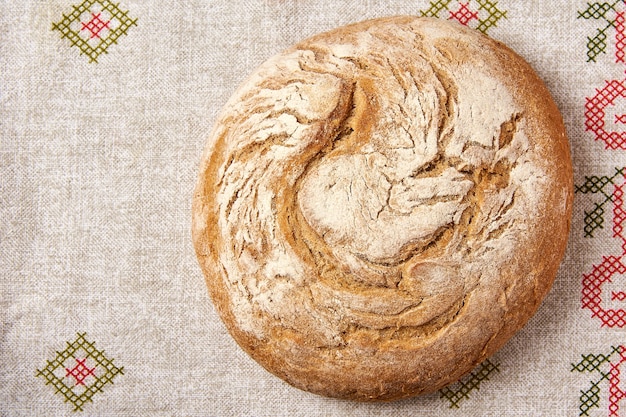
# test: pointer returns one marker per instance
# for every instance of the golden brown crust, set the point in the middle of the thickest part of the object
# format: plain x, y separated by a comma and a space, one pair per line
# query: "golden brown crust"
381, 207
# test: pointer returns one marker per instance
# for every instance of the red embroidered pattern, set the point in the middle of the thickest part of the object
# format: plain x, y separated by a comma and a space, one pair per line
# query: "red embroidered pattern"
80, 372
597, 365
595, 114
464, 15
592, 292
619, 213
613, 17
608, 270
92, 371
604, 13
598, 296
620, 37
616, 394
482, 14
95, 25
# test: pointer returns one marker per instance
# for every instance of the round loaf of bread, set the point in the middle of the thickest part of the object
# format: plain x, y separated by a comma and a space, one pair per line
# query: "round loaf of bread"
382, 206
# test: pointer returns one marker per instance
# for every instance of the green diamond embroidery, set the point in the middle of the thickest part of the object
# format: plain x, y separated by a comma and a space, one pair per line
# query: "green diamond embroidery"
93, 26
493, 15
460, 390
79, 371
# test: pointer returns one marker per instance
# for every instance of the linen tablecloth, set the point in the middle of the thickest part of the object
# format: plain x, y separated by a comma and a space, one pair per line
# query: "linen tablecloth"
105, 106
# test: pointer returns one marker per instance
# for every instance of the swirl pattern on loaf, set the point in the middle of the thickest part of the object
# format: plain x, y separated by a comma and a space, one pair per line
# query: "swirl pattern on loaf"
368, 194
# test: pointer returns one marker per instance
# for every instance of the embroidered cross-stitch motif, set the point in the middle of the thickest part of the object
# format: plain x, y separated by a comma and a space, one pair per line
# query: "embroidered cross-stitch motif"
598, 364
620, 36
93, 26
599, 294
483, 17
595, 114
613, 17
79, 371
607, 13
592, 291
616, 394
613, 267
594, 219
494, 14
436, 7
460, 390
464, 15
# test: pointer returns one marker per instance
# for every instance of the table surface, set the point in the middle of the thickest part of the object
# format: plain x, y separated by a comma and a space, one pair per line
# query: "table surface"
104, 111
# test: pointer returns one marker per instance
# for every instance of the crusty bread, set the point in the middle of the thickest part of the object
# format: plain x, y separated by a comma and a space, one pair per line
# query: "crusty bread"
382, 206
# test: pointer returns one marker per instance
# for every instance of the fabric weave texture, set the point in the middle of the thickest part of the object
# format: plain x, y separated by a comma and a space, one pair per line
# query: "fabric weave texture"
104, 111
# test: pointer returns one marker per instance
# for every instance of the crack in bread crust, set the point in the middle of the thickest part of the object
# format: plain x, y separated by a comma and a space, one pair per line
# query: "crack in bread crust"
367, 193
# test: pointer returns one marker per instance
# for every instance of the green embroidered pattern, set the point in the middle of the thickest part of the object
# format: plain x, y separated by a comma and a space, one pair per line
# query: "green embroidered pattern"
494, 14
597, 44
594, 219
79, 371
460, 390
486, 15
590, 398
436, 7
93, 26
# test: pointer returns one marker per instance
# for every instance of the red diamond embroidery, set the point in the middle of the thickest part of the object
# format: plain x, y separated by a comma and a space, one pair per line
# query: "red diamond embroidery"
464, 15
80, 372
95, 25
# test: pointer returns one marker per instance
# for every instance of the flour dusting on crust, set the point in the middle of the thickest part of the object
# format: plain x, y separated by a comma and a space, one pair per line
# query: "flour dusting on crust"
374, 188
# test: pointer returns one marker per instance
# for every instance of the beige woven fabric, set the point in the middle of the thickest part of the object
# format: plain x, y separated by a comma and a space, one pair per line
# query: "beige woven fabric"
99, 150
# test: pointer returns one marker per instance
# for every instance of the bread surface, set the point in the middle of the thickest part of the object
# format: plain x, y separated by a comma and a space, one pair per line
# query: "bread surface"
382, 206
